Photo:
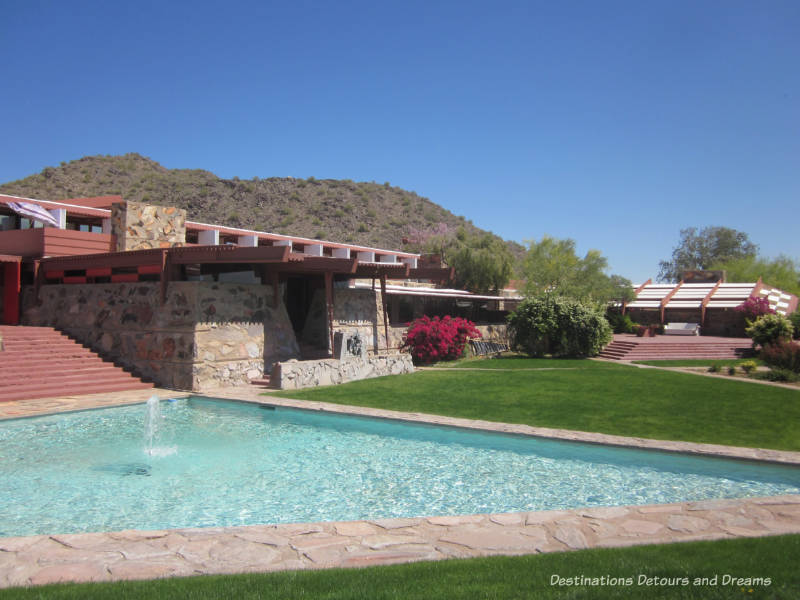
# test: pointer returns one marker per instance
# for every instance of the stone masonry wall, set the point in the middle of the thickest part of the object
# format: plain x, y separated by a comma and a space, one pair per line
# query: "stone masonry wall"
138, 226
354, 311
205, 334
294, 375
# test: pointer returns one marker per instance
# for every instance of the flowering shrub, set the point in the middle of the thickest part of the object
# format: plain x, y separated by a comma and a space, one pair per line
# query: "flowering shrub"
782, 354
752, 308
430, 340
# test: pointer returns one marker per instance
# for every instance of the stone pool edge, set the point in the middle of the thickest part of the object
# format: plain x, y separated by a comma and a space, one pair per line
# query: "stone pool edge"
133, 554
128, 555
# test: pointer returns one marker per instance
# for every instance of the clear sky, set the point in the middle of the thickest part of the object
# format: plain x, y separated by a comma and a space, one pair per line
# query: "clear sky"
612, 123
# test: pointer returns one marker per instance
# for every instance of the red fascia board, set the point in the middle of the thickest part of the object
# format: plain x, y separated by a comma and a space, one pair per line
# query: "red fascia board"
148, 270
94, 202
8, 258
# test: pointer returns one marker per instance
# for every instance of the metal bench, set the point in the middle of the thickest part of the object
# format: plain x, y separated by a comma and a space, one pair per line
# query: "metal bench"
482, 348
682, 329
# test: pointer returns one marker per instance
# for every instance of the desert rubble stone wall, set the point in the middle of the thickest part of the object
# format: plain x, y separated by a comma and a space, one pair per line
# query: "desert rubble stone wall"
294, 374
205, 334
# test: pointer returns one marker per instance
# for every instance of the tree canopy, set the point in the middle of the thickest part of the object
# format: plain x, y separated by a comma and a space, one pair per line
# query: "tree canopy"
483, 263
782, 272
551, 266
702, 249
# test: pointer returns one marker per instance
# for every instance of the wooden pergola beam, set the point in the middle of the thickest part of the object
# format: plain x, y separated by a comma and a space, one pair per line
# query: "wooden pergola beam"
704, 303
385, 310
665, 300
329, 305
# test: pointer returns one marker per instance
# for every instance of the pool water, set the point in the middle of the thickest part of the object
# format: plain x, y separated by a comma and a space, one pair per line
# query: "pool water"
220, 463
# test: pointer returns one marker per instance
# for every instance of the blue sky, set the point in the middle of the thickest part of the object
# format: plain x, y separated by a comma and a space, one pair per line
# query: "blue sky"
615, 124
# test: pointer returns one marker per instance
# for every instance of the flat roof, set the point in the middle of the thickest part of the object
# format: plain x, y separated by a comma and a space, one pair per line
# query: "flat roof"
104, 213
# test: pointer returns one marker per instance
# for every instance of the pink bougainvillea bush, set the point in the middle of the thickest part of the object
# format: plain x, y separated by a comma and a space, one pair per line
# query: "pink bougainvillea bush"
434, 339
752, 308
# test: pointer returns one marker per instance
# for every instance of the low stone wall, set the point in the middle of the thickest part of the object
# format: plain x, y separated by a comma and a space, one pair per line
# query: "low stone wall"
294, 374
205, 334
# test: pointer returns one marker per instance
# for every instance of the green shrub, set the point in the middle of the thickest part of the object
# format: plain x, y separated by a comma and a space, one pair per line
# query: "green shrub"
782, 354
768, 329
558, 327
794, 319
778, 375
731, 370
715, 368
620, 323
748, 366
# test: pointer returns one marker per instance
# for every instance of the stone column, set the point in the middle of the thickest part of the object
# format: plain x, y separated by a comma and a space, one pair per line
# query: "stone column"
139, 226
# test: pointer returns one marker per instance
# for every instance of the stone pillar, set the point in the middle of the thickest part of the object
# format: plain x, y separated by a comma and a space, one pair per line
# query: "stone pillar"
138, 226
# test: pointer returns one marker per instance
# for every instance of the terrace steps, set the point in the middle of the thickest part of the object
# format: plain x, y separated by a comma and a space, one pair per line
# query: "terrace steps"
675, 349
41, 362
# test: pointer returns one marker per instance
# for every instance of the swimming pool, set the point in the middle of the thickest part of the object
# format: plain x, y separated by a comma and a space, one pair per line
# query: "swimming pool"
221, 463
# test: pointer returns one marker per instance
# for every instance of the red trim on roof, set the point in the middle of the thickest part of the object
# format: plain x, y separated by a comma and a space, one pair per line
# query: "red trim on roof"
94, 202
76, 209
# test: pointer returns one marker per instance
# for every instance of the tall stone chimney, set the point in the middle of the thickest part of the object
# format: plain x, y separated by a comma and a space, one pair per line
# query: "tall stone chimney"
139, 226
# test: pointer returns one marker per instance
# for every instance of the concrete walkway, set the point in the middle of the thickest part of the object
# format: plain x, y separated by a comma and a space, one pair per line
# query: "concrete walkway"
110, 556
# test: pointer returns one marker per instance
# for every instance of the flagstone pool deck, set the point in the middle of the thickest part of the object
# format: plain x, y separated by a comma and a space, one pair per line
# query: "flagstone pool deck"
111, 556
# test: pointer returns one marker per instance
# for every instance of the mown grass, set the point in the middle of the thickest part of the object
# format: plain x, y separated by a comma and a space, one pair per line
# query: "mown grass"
515, 361
496, 577
698, 362
590, 396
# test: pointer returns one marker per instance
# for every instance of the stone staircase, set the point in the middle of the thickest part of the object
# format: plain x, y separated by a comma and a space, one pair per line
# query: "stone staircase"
675, 348
40, 362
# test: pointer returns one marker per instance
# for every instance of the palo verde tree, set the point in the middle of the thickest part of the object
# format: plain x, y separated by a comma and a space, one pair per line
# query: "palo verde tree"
551, 266
705, 248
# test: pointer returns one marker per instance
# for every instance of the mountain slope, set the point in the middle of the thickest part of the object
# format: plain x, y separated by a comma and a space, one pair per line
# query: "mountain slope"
339, 210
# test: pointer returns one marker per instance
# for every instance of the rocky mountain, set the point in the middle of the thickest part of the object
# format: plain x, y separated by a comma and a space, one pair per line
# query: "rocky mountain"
367, 213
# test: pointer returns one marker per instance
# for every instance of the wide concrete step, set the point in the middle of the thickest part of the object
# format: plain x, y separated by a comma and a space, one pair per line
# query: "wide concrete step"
105, 375
672, 350
35, 344
60, 390
40, 362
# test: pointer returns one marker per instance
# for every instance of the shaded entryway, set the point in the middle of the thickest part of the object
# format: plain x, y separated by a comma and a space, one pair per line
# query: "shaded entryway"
11, 272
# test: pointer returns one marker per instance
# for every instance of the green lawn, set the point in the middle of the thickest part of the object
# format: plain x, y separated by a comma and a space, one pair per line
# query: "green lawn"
513, 361
497, 577
589, 396
698, 362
